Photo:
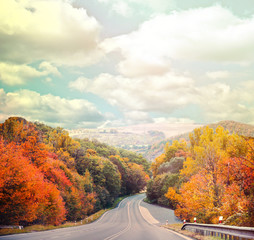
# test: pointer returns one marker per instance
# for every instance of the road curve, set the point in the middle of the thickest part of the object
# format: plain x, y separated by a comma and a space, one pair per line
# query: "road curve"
128, 221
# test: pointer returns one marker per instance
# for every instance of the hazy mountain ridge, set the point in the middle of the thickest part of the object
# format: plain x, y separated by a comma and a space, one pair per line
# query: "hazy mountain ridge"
139, 138
150, 139
232, 126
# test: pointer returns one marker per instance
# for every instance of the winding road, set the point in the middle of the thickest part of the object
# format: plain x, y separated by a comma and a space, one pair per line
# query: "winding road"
131, 220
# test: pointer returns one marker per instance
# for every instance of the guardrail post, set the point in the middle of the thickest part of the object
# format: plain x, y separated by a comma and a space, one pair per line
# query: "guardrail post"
221, 231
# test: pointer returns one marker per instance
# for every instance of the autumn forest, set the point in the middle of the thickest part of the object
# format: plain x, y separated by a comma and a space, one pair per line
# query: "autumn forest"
47, 177
211, 176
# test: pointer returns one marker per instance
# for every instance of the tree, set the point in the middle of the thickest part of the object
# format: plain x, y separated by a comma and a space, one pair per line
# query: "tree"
173, 166
113, 179
158, 187
137, 178
217, 179
24, 194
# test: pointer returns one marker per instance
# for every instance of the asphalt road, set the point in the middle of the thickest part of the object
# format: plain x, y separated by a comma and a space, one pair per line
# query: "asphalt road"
131, 220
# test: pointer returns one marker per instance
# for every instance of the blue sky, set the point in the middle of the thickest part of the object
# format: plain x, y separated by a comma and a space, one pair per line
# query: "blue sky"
109, 63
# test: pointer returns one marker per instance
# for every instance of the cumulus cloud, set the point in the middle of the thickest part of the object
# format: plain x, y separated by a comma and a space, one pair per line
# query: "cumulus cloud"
170, 120
223, 102
203, 34
139, 7
144, 94
137, 117
50, 109
13, 74
137, 98
218, 74
48, 68
80, 84
51, 30
122, 8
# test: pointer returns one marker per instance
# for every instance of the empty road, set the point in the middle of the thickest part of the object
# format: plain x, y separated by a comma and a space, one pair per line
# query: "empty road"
131, 220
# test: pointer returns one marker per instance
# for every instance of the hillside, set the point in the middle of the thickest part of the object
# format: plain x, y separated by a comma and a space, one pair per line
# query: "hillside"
210, 177
233, 127
47, 177
139, 138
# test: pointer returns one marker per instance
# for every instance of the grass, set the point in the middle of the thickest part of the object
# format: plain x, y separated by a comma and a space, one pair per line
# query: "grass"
37, 228
177, 228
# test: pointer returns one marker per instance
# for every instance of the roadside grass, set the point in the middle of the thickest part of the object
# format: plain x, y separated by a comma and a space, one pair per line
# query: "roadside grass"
37, 228
177, 228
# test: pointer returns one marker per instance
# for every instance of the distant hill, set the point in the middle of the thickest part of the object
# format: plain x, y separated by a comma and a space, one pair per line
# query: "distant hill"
139, 138
233, 127
237, 127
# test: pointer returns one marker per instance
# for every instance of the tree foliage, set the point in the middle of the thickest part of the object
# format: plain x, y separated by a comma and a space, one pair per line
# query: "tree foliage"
215, 178
47, 177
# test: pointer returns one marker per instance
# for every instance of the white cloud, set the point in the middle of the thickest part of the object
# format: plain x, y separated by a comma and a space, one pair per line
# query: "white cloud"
122, 8
171, 120
48, 68
50, 30
137, 98
50, 109
218, 74
81, 84
144, 94
222, 102
139, 7
203, 34
143, 66
13, 74
137, 117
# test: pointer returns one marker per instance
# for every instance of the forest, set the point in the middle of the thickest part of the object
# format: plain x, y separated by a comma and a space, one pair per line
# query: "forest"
210, 176
47, 177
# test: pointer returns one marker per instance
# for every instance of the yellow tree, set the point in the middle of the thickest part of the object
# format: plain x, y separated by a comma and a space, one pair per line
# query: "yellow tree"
157, 163
202, 194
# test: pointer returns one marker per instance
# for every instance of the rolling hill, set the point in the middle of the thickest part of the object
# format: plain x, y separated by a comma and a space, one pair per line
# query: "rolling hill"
233, 127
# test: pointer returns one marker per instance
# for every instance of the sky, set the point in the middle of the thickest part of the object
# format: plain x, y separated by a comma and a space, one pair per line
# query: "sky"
110, 63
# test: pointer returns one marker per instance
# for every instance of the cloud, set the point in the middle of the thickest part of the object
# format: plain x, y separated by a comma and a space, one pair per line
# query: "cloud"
143, 66
171, 120
143, 94
139, 7
122, 8
137, 117
50, 109
204, 34
48, 68
80, 84
218, 74
50, 30
222, 102
13, 74
138, 98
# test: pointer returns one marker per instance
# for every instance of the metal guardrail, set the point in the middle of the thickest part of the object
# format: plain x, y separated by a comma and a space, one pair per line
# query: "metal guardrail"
222, 231
11, 227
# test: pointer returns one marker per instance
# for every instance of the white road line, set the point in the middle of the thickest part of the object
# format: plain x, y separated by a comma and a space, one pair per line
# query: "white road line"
181, 235
104, 214
147, 215
153, 221
124, 230
109, 211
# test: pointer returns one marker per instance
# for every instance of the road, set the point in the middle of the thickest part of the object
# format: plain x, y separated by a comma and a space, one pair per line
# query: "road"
130, 220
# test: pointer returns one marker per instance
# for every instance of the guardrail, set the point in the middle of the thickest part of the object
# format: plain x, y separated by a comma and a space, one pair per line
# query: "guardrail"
222, 231
11, 226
